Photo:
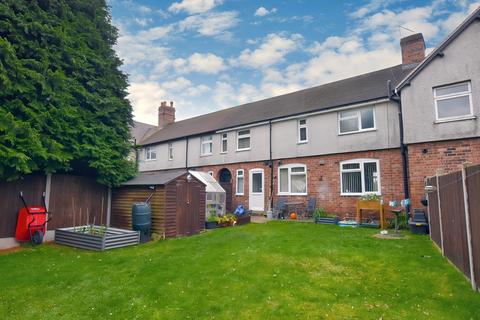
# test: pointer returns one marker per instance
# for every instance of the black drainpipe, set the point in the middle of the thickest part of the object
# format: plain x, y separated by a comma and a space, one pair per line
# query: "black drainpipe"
186, 155
395, 96
271, 165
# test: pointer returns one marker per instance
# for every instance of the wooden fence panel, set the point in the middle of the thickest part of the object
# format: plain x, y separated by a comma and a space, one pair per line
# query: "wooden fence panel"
453, 220
434, 219
32, 186
77, 200
473, 187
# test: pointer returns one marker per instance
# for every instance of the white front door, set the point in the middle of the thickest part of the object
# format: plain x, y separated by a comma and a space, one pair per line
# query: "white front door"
257, 195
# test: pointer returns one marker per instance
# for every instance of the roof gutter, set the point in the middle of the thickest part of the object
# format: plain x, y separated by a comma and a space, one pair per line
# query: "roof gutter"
394, 95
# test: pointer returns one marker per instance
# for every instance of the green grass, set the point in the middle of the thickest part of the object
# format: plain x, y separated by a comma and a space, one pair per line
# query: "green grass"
258, 271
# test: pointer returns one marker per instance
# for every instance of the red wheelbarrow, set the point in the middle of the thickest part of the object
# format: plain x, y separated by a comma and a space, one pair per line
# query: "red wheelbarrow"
32, 222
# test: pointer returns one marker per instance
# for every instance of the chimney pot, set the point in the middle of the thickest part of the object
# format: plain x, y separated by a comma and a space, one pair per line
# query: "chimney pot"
171, 104
413, 49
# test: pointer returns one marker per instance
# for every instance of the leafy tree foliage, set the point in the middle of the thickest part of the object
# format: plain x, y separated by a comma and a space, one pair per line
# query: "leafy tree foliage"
62, 96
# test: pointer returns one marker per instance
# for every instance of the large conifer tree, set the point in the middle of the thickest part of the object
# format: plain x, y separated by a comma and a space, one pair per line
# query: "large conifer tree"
62, 96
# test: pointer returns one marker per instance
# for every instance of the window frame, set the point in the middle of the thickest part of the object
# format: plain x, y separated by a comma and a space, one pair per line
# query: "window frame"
437, 98
202, 142
170, 151
237, 175
362, 162
300, 127
223, 137
358, 116
149, 151
249, 136
289, 175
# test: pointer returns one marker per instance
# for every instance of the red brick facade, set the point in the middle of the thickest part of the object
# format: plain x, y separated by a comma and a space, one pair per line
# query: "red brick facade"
426, 158
323, 179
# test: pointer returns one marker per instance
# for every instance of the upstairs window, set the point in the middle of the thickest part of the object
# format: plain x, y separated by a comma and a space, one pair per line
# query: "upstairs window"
292, 179
224, 143
150, 153
240, 182
206, 145
360, 177
358, 120
302, 131
170, 151
453, 101
243, 140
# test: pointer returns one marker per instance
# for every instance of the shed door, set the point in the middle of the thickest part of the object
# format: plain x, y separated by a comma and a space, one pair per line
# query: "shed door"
257, 195
188, 210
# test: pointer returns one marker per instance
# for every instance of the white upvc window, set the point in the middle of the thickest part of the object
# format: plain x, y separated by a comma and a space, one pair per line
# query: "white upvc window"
210, 173
302, 131
150, 153
453, 102
240, 183
292, 179
224, 147
206, 145
359, 177
243, 140
170, 151
357, 120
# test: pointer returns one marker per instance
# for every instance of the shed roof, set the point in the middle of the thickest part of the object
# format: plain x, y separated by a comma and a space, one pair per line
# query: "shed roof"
212, 185
363, 88
153, 178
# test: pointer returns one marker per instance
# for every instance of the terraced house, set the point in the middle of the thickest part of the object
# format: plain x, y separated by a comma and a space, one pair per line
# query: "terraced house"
380, 132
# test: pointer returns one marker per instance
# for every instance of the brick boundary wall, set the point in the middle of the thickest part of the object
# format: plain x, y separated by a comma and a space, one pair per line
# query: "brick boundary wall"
323, 179
426, 158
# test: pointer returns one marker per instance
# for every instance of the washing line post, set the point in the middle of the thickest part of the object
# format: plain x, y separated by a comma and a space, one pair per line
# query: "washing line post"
467, 226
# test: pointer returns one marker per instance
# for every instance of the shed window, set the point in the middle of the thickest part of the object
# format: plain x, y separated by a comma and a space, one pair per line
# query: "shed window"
292, 179
360, 177
302, 131
356, 120
240, 182
243, 140
170, 151
150, 153
224, 143
206, 145
453, 101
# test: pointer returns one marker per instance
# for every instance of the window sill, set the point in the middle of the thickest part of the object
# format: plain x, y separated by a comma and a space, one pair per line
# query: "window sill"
359, 194
293, 194
239, 194
148, 160
302, 142
455, 119
355, 132
224, 152
241, 150
206, 155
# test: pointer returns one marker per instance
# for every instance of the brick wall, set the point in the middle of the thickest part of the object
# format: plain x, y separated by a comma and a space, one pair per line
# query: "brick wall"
426, 158
323, 179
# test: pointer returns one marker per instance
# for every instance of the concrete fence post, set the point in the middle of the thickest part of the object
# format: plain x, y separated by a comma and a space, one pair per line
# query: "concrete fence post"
440, 213
467, 226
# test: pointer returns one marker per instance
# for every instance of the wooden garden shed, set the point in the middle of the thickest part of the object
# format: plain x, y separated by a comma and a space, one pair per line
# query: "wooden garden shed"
178, 202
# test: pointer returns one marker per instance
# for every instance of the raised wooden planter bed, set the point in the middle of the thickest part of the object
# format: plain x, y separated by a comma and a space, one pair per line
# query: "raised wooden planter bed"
243, 219
325, 220
96, 238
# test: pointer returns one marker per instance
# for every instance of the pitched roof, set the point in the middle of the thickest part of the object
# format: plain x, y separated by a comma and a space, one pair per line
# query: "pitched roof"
141, 130
439, 49
366, 87
153, 178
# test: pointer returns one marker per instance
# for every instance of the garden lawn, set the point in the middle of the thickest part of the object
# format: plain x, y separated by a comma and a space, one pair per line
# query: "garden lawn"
258, 271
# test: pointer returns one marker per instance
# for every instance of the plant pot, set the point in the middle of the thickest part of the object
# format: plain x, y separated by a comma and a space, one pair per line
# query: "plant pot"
210, 224
222, 224
326, 220
243, 219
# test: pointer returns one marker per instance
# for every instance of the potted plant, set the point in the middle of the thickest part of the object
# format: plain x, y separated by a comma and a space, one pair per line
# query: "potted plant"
212, 220
321, 216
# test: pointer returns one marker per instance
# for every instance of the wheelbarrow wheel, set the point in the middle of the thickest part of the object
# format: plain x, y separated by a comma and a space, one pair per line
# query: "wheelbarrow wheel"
37, 237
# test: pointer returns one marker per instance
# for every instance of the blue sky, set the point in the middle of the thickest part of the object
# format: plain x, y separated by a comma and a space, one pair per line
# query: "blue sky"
207, 55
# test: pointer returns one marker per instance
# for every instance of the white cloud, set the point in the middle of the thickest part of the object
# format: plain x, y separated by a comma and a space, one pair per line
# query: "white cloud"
155, 33
143, 22
272, 51
194, 6
207, 63
210, 24
144, 9
262, 11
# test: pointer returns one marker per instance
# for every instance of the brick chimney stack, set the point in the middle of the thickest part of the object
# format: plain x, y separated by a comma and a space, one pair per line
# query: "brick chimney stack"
413, 49
166, 114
